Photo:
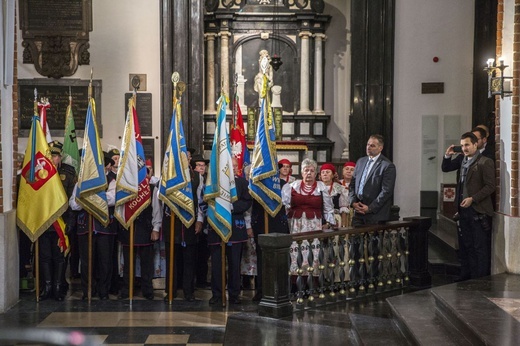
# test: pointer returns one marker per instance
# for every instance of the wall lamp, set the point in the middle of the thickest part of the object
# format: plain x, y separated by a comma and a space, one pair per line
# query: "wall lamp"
496, 83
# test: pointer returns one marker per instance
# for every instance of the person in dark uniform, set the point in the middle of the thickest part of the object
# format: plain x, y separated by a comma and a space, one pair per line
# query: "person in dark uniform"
115, 283
233, 247
52, 259
199, 164
102, 240
146, 232
185, 245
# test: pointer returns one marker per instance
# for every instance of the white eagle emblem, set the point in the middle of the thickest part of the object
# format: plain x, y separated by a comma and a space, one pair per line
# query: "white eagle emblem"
236, 149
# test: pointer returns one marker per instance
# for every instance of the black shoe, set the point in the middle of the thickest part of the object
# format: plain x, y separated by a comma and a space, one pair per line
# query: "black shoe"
214, 300
234, 301
189, 298
149, 296
257, 297
123, 296
103, 297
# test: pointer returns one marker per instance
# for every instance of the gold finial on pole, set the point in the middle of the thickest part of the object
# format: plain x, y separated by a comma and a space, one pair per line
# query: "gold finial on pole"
175, 79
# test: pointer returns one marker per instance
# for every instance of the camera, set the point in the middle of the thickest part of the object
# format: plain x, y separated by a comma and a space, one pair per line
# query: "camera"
457, 149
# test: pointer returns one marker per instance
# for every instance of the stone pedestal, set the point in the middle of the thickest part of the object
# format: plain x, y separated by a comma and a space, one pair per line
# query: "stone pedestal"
418, 245
9, 271
275, 285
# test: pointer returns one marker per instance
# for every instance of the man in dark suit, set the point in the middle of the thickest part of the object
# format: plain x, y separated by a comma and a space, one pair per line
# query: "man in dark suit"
372, 185
482, 144
475, 186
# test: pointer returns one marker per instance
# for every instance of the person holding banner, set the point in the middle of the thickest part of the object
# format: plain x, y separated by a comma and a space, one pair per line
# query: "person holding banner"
103, 240
146, 227
309, 208
114, 154
234, 246
52, 259
185, 248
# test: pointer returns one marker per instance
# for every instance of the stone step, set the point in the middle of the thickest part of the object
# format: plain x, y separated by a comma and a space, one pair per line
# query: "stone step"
446, 231
376, 330
483, 310
415, 315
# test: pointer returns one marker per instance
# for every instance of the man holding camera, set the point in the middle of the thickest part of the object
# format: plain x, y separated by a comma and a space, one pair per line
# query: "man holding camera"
475, 185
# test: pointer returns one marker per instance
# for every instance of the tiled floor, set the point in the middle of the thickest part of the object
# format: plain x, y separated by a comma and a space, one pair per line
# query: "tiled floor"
143, 322
119, 322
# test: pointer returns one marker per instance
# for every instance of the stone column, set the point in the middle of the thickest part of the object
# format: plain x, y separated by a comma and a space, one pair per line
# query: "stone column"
224, 61
304, 73
318, 73
210, 73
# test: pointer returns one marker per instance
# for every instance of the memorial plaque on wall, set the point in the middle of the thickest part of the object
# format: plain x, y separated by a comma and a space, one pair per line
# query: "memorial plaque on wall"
144, 111
55, 35
57, 92
44, 16
148, 146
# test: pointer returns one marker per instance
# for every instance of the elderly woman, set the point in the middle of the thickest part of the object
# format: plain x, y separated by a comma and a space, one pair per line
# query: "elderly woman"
338, 193
309, 208
348, 172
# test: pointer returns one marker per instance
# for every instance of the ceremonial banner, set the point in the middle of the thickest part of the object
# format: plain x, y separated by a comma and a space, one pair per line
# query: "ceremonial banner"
63, 239
176, 188
220, 191
70, 154
43, 106
132, 187
92, 181
264, 184
237, 138
41, 196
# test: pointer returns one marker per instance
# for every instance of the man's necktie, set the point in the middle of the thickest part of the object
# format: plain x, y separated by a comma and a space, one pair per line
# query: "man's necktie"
364, 177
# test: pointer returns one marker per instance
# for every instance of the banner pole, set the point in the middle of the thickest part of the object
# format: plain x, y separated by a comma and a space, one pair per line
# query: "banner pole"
223, 272
37, 269
172, 249
131, 265
89, 279
266, 222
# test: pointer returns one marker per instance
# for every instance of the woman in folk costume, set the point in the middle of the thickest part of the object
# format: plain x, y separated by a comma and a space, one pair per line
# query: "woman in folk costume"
338, 193
309, 208
348, 172
285, 167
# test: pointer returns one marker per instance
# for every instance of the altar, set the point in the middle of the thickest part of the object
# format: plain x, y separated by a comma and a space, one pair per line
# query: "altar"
292, 36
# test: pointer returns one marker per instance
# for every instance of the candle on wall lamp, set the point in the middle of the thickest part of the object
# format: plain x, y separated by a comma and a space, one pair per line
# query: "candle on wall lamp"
490, 62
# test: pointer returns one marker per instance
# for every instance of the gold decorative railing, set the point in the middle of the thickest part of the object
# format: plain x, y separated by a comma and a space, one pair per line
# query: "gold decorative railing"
344, 264
351, 262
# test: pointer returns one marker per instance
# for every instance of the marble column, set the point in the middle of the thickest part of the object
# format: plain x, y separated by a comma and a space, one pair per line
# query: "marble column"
318, 73
210, 73
304, 73
224, 61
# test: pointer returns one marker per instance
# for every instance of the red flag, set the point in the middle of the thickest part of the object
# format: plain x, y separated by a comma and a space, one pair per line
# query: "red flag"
237, 139
43, 106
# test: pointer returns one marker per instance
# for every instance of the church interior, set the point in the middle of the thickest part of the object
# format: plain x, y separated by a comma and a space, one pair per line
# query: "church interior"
420, 73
